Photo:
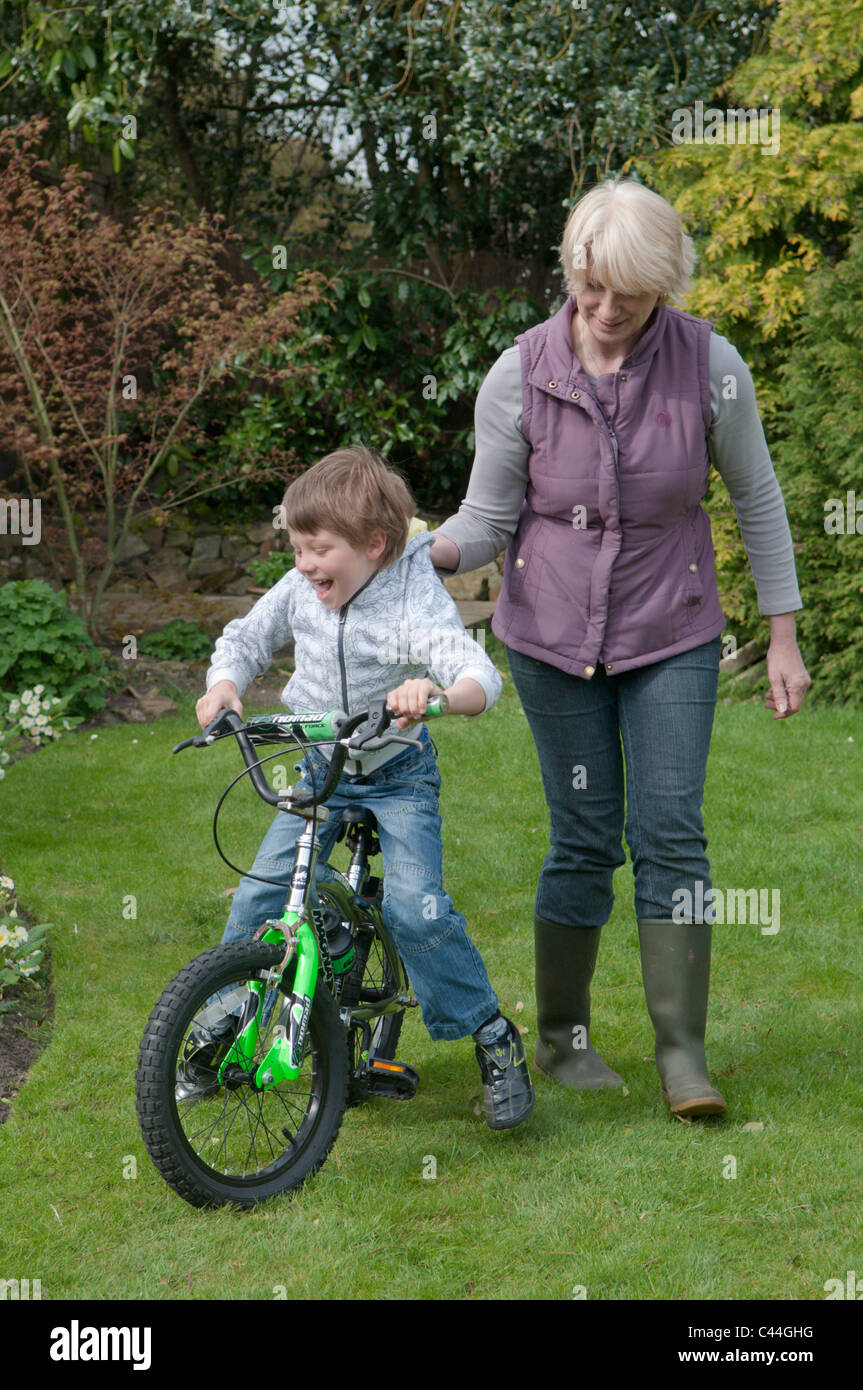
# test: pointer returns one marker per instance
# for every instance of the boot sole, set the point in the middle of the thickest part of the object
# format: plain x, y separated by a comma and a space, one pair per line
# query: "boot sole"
705, 1105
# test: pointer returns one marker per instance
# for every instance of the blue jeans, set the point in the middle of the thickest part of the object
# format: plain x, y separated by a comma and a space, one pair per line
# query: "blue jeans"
662, 715
445, 969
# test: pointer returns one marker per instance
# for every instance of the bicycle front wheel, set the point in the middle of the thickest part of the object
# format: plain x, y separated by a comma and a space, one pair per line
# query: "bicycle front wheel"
227, 1143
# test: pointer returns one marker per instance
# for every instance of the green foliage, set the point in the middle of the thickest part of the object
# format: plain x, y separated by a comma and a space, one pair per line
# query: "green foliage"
450, 131
42, 642
393, 361
764, 219
179, 640
819, 456
269, 569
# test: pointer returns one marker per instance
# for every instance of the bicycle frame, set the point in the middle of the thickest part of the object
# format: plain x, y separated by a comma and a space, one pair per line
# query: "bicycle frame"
283, 1060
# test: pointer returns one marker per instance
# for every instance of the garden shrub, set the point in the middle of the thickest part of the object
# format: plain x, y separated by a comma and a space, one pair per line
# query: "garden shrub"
42, 642
179, 640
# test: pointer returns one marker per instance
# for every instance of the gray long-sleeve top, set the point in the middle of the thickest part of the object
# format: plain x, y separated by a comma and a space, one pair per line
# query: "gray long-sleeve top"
488, 516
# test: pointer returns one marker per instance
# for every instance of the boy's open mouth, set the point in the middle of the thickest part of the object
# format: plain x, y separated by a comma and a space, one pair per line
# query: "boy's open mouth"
323, 587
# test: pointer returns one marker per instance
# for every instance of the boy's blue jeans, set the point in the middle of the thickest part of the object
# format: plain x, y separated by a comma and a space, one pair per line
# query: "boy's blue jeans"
662, 715
445, 969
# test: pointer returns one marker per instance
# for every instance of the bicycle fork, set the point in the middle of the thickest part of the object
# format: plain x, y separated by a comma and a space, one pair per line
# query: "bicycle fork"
283, 1060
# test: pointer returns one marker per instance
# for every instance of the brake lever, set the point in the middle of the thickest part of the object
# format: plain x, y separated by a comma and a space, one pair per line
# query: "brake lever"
371, 745
209, 735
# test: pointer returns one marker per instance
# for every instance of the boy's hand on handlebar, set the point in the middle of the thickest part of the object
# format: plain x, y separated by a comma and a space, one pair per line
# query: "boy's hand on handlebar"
222, 695
409, 699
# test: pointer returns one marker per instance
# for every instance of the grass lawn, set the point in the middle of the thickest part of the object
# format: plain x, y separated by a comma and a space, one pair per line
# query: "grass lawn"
604, 1193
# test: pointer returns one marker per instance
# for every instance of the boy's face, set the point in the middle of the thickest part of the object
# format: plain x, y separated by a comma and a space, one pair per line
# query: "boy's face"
333, 566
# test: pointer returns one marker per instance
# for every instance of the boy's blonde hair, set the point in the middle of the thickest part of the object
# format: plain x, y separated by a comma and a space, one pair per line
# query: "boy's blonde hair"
351, 492
629, 239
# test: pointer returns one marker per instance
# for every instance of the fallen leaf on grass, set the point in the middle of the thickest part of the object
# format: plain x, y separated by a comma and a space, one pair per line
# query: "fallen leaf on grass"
754, 1127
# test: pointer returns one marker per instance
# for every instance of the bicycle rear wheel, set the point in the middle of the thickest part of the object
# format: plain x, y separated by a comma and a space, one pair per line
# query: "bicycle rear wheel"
230, 1144
371, 979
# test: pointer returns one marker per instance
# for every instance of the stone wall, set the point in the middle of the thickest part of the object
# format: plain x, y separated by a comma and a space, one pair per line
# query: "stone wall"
194, 557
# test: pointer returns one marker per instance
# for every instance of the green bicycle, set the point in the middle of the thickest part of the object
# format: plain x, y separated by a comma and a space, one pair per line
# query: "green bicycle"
255, 1049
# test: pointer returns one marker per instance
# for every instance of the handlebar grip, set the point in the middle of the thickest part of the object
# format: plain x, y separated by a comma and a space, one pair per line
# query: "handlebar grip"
438, 704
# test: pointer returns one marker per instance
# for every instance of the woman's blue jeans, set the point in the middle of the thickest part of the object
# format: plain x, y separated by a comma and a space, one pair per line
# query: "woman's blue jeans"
445, 969
658, 720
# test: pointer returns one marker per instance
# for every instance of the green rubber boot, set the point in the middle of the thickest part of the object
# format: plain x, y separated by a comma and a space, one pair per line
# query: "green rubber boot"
675, 966
565, 962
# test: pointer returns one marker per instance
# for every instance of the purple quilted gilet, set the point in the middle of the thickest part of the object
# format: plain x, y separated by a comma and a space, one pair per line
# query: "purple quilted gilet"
612, 560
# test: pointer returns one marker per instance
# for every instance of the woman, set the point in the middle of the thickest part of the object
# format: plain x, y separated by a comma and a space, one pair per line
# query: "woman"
594, 438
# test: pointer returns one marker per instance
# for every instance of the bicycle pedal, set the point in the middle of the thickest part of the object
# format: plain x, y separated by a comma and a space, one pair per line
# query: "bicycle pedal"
382, 1077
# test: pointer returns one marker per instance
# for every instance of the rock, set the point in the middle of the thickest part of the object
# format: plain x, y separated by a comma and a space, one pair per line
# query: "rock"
177, 539
263, 531
206, 547
238, 586
215, 582
237, 549
154, 536
154, 706
132, 548
474, 584
171, 574
200, 567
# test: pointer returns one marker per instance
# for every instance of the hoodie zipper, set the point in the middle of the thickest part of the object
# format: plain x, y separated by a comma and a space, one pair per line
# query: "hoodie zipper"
343, 613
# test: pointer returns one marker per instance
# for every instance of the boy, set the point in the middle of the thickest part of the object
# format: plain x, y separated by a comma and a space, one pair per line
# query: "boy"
369, 617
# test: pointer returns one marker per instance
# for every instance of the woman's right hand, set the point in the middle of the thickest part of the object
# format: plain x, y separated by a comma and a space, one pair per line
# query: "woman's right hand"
222, 695
445, 554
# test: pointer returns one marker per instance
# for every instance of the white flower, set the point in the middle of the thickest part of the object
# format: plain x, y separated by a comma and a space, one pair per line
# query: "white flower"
33, 707
92, 736
40, 721
37, 740
21, 934
6, 882
28, 969
2, 774
37, 689
4, 757
5, 938
14, 706
46, 704
26, 696
56, 700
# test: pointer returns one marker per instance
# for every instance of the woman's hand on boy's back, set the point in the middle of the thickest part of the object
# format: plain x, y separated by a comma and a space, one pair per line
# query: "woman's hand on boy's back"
222, 695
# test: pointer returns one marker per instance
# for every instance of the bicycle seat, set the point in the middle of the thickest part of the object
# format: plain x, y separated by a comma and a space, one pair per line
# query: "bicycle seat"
359, 815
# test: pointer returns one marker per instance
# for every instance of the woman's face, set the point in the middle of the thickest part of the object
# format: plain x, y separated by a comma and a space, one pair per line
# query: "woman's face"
614, 321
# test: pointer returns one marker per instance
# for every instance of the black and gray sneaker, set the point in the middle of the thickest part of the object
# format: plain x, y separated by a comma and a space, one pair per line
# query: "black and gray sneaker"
198, 1073
507, 1088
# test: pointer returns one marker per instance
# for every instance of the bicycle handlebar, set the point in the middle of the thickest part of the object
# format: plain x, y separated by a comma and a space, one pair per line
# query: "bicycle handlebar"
333, 727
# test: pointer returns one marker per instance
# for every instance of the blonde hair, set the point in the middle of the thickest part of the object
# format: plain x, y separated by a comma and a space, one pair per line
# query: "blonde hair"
351, 492
629, 239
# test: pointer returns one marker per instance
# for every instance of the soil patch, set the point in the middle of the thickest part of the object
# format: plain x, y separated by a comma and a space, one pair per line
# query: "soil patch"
25, 1031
